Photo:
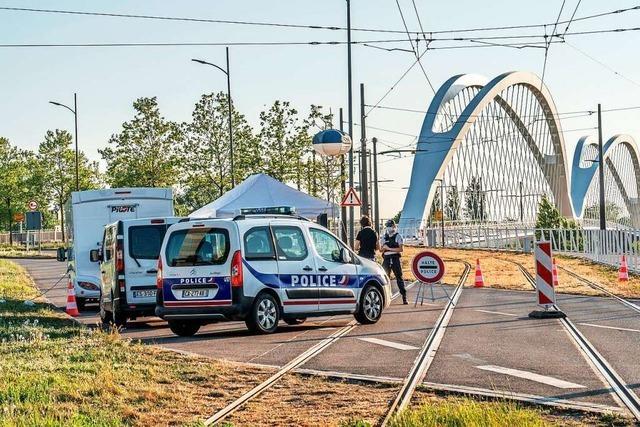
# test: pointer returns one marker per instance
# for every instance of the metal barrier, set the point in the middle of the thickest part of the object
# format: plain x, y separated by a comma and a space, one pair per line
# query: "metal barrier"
603, 246
46, 236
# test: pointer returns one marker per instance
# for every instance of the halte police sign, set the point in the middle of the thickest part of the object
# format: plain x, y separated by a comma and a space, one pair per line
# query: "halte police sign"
428, 267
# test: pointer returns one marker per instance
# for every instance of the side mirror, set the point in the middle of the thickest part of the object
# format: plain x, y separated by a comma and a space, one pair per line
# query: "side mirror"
94, 255
345, 256
61, 254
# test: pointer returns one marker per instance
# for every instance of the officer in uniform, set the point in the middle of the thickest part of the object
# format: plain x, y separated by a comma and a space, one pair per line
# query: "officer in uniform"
391, 248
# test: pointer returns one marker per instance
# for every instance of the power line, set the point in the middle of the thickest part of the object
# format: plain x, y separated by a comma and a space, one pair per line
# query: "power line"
304, 26
546, 49
603, 64
571, 19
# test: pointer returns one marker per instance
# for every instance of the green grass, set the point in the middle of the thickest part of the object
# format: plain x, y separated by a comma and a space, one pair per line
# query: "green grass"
456, 412
54, 372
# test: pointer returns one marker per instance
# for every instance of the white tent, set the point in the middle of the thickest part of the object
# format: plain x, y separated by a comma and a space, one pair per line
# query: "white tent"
261, 190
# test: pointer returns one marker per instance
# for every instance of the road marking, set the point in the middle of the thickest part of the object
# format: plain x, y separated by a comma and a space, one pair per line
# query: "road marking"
327, 328
497, 312
610, 327
391, 344
555, 382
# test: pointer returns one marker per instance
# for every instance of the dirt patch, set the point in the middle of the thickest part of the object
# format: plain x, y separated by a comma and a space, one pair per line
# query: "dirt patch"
499, 271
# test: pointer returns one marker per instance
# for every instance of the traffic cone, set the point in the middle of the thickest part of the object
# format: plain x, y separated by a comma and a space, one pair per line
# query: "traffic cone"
623, 273
554, 273
479, 282
72, 308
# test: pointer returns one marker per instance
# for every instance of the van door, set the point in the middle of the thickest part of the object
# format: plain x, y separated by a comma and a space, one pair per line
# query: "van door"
198, 267
339, 282
142, 244
107, 265
296, 269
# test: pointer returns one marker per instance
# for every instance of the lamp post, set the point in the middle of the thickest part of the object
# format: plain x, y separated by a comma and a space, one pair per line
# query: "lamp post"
228, 74
74, 110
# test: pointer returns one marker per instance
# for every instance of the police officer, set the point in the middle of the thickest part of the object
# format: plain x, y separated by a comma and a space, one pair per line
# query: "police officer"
367, 243
391, 248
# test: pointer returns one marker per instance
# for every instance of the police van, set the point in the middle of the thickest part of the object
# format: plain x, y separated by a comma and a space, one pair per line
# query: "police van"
262, 266
127, 261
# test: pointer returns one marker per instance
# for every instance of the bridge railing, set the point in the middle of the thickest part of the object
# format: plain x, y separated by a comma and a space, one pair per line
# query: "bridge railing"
603, 246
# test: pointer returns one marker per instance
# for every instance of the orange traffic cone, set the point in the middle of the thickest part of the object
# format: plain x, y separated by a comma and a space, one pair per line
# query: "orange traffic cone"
623, 273
479, 282
72, 308
554, 273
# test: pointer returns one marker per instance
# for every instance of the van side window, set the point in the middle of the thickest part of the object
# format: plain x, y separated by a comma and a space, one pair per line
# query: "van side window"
290, 243
258, 244
198, 246
326, 245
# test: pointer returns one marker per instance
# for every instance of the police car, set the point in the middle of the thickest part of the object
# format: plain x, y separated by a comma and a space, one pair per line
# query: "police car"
263, 266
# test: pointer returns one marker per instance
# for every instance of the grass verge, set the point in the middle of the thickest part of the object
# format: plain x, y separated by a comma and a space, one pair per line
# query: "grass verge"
58, 373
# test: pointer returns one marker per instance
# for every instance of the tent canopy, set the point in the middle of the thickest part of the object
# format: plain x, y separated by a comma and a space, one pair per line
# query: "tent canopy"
261, 190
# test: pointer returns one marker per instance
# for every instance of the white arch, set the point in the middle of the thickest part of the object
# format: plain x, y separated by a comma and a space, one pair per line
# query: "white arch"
430, 166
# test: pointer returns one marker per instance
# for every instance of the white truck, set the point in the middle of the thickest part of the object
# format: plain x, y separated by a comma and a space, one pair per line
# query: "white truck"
87, 214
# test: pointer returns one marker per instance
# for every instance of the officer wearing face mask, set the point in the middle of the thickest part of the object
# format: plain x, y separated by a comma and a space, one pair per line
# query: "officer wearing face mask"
391, 248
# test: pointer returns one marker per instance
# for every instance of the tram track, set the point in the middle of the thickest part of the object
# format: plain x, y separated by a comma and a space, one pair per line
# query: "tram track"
600, 288
298, 361
616, 383
427, 352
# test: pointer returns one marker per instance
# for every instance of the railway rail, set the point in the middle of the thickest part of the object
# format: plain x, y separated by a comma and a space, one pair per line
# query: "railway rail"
293, 364
427, 352
617, 384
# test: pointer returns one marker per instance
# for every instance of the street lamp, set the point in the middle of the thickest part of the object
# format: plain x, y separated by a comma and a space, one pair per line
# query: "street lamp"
74, 110
228, 74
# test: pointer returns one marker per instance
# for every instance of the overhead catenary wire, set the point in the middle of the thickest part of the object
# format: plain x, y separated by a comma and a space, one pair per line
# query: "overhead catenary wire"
546, 49
304, 26
603, 64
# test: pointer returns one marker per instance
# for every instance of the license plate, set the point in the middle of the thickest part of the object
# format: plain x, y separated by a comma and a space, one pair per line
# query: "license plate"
195, 293
145, 294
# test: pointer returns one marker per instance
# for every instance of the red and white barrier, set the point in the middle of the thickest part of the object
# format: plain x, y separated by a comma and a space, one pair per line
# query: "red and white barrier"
544, 275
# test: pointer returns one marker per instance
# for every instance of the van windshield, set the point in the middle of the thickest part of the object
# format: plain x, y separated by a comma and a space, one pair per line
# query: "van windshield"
201, 246
145, 241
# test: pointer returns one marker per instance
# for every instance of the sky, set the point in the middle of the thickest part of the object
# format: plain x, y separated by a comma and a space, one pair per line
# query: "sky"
108, 79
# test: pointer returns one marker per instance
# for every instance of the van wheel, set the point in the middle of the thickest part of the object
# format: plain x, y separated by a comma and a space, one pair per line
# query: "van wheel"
81, 303
265, 315
370, 309
105, 316
293, 322
184, 328
119, 318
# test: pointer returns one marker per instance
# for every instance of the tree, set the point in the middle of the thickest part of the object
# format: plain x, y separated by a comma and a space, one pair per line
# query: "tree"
436, 206
475, 200
55, 169
205, 162
282, 141
452, 204
143, 153
15, 173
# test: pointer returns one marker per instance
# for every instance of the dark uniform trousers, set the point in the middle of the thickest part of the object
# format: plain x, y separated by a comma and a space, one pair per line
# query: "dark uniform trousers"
391, 263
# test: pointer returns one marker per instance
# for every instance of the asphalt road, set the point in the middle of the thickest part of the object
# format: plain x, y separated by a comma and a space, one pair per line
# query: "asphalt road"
490, 342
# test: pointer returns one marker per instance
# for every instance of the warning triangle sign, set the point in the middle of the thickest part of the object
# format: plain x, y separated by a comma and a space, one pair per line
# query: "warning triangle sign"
351, 198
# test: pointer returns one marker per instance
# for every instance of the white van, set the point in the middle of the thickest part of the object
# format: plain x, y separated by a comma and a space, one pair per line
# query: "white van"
260, 269
87, 213
128, 259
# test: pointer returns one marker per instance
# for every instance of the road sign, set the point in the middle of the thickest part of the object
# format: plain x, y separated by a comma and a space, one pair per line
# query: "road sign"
351, 198
34, 220
18, 217
427, 267
32, 205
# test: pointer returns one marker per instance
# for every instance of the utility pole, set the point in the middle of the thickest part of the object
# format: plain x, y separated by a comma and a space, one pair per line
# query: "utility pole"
376, 207
603, 219
75, 115
350, 118
521, 205
228, 73
343, 186
364, 191
10, 223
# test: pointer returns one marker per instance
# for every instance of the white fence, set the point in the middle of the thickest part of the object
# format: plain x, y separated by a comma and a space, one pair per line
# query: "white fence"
21, 238
604, 246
